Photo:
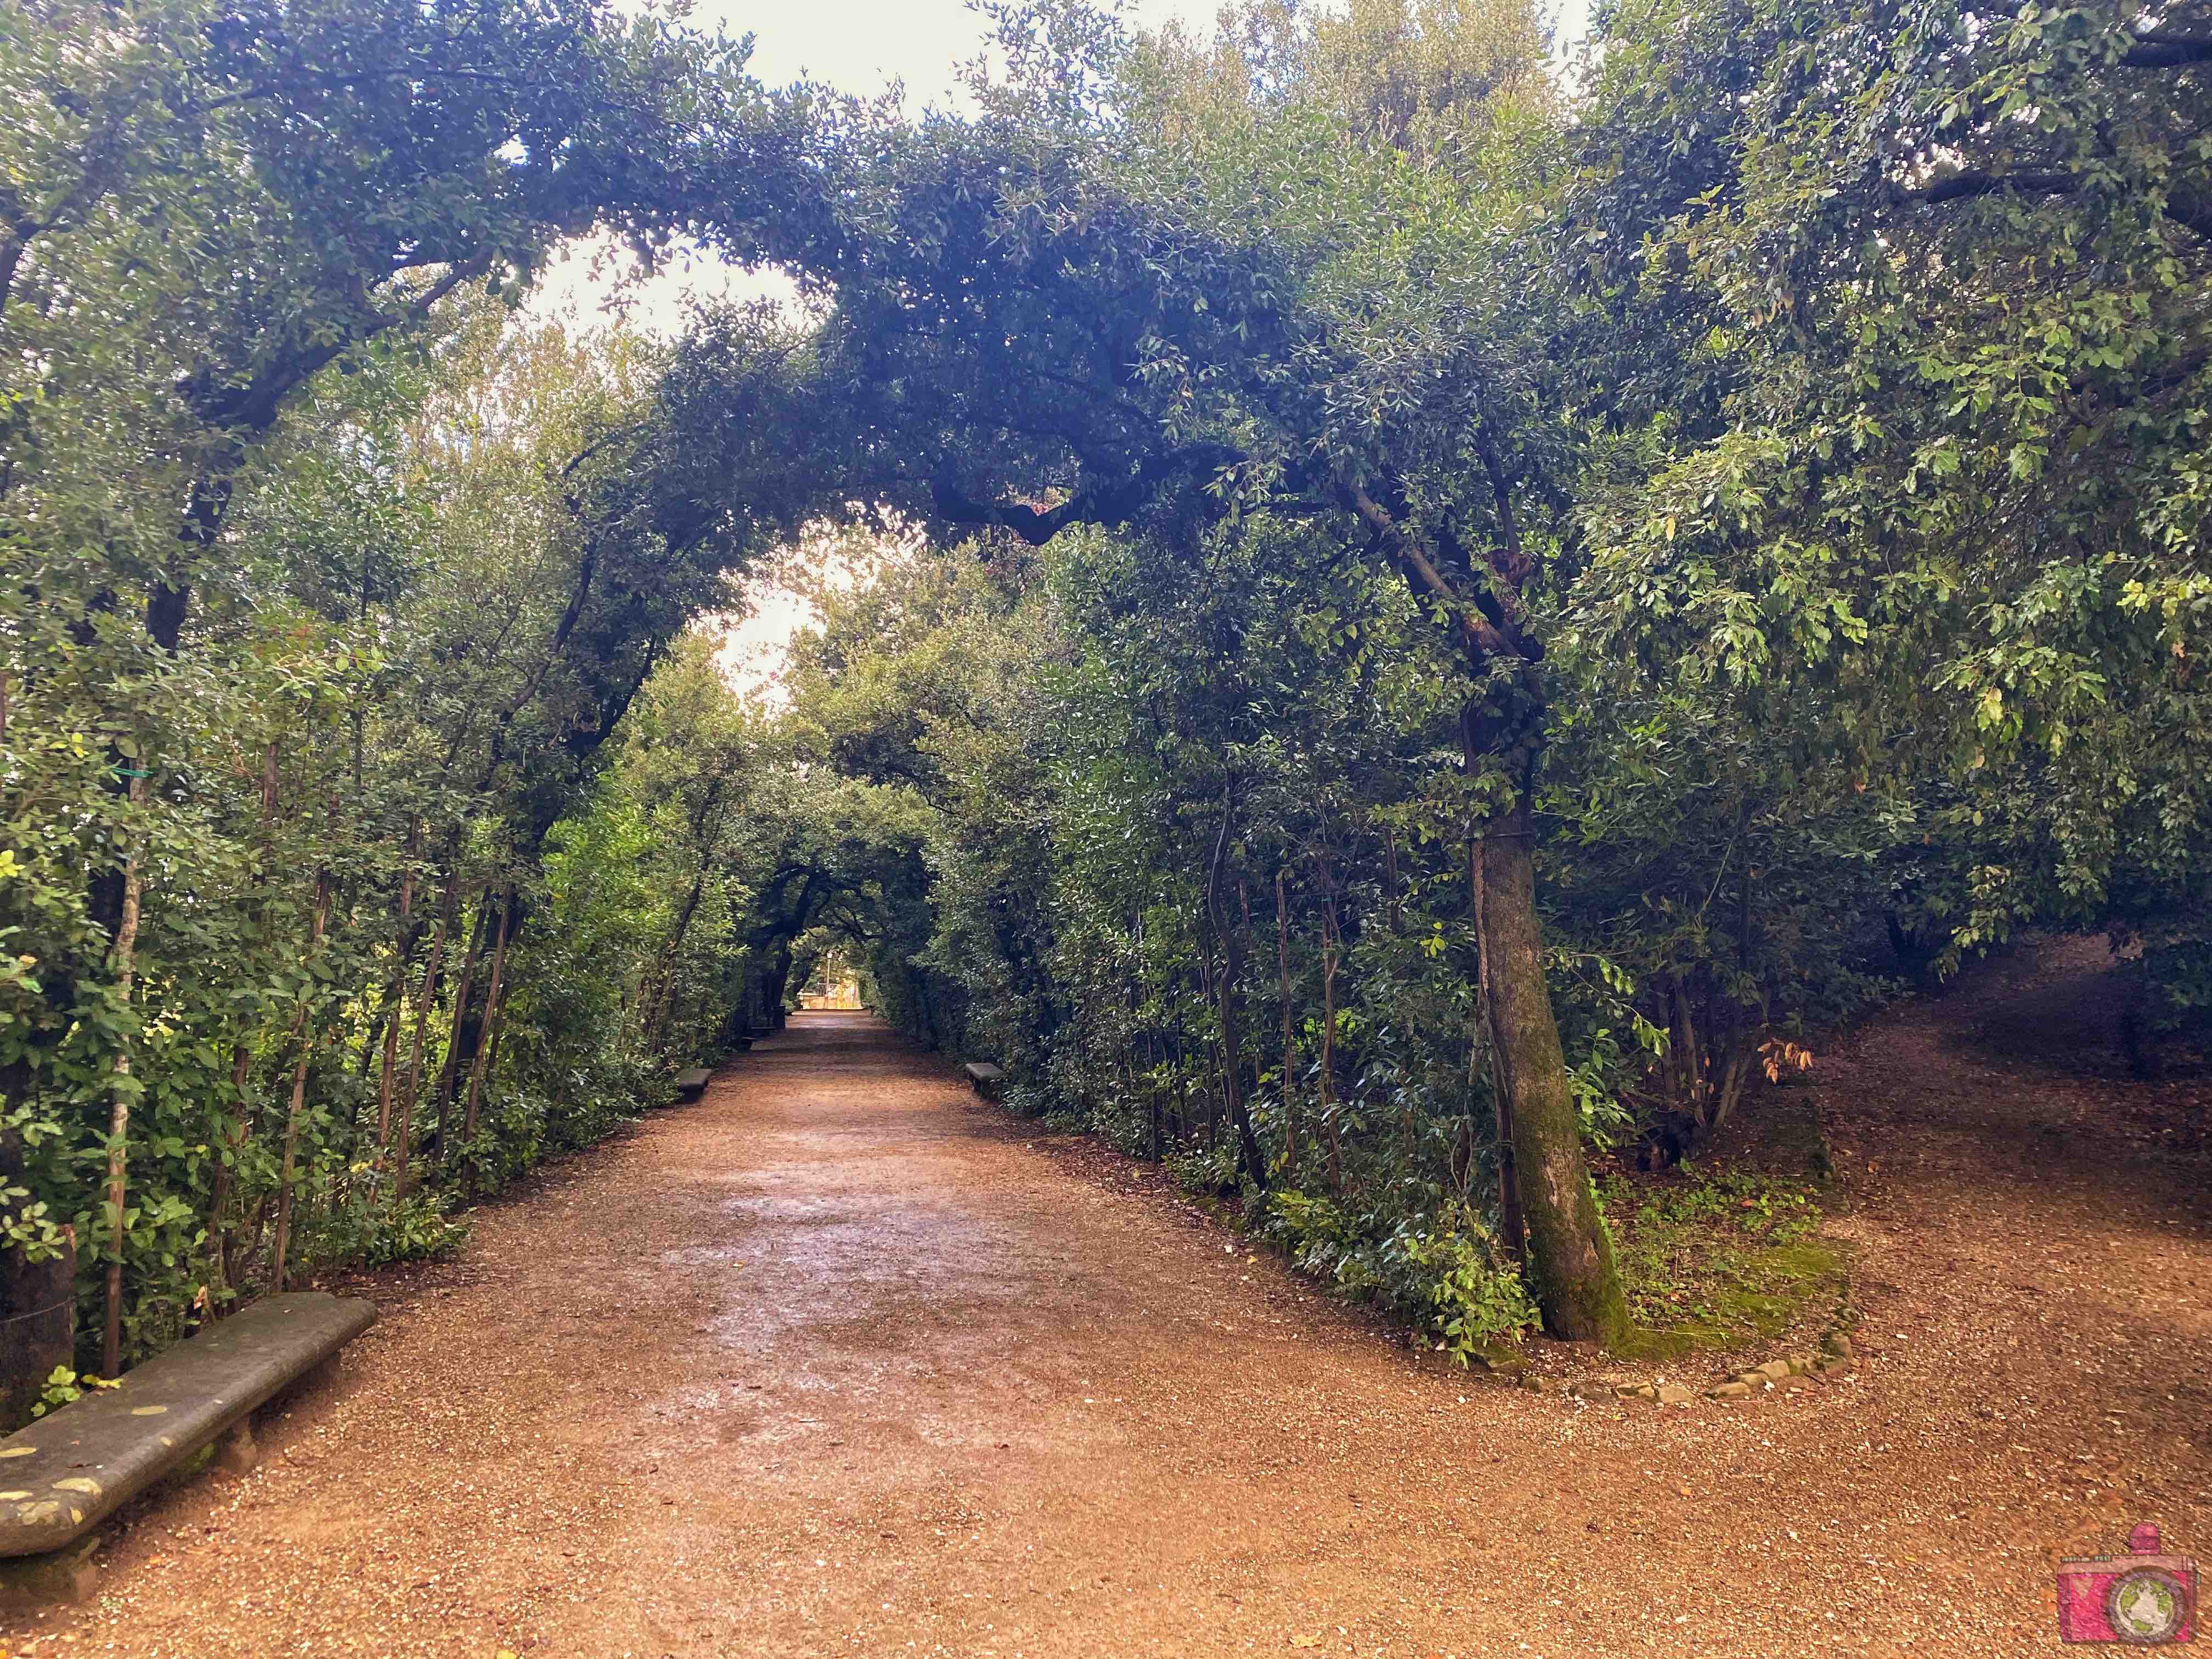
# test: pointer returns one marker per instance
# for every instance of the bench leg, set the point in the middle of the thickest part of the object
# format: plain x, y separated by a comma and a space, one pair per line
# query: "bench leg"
29, 1582
237, 1452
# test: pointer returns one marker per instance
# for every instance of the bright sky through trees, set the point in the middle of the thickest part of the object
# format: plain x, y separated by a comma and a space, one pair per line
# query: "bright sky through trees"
859, 46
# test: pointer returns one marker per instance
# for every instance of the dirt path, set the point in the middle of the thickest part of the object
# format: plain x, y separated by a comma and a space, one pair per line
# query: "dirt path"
842, 1361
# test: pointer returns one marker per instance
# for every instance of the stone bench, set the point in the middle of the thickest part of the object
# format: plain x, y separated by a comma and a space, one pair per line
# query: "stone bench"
987, 1079
60, 1477
690, 1084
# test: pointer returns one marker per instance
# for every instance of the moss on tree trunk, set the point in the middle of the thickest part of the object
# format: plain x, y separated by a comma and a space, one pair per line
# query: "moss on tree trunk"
1570, 1253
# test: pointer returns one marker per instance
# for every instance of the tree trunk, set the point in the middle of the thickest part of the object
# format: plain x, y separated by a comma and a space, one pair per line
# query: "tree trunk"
403, 1144
386, 1012
672, 956
305, 1025
1233, 932
489, 1032
400, 992
118, 1121
1230, 988
219, 1239
1290, 1038
1214, 1056
1390, 878
1329, 939
498, 1015
1576, 1282
1510, 1221
1577, 1285
222, 1241
449, 1068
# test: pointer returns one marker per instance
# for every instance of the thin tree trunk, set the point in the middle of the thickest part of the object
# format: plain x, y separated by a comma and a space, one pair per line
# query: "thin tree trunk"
1330, 939
119, 1119
222, 1240
1689, 1056
1181, 1134
1733, 1077
377, 1025
1390, 877
658, 1009
449, 1067
403, 1144
1578, 1282
250, 1231
304, 1027
664, 984
1290, 1038
1206, 996
399, 990
489, 1033
1229, 989
1153, 1104
1510, 1219
219, 1236
499, 1024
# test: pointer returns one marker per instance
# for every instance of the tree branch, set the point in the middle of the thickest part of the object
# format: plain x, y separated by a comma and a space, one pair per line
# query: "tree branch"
2163, 49
1483, 638
1976, 182
2192, 212
1116, 502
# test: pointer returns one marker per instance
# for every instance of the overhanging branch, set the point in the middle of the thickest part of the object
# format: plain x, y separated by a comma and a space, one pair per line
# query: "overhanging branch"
1111, 503
2183, 206
1484, 639
2163, 49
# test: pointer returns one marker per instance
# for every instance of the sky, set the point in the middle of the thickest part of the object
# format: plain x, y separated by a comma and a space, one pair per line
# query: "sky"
859, 46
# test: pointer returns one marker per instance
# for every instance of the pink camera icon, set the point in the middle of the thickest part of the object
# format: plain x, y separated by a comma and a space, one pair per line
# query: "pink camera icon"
2142, 1599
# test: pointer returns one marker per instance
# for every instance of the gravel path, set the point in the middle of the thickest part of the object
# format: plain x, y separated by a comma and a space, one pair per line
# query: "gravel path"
842, 1361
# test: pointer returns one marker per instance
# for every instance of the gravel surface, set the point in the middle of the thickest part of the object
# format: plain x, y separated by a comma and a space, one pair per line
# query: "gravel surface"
842, 1360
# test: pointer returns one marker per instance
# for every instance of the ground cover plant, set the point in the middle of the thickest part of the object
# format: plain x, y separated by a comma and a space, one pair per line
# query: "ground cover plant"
1720, 1259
